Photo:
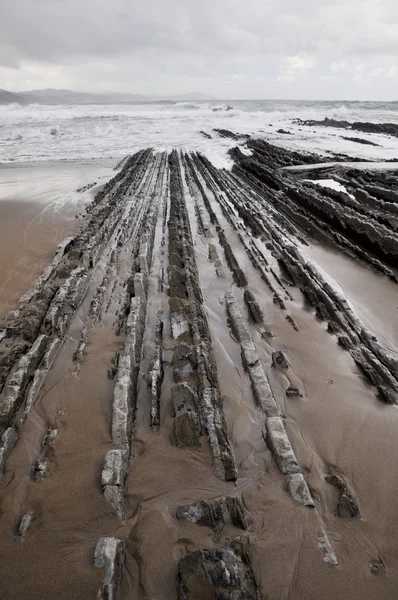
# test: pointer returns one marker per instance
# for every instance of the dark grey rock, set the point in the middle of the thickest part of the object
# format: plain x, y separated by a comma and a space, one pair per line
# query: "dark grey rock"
279, 360
24, 524
109, 556
218, 574
40, 469
292, 391
215, 513
347, 508
187, 426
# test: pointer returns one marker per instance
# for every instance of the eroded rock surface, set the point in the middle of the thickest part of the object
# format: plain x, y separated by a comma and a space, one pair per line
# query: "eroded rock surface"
218, 574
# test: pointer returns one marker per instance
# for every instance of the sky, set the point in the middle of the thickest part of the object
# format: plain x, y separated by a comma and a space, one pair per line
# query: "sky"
293, 49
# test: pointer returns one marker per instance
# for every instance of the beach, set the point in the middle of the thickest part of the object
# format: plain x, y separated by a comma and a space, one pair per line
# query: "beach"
198, 395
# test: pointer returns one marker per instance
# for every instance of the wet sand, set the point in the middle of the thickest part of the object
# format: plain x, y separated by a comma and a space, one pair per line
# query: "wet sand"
149, 245
38, 206
374, 298
29, 235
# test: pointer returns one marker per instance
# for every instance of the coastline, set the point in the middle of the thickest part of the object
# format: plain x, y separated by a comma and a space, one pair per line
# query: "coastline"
204, 363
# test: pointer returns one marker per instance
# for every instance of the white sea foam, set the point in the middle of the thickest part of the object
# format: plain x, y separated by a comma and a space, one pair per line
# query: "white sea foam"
112, 131
332, 184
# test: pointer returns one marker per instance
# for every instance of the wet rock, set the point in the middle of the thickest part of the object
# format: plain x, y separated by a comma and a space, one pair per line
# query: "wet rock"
327, 549
109, 556
292, 391
40, 374
237, 321
183, 372
24, 524
238, 275
387, 395
359, 140
213, 254
187, 427
49, 438
327, 122
280, 446
292, 322
139, 286
113, 369
377, 567
179, 323
65, 302
7, 443
333, 327
210, 407
184, 352
186, 430
79, 353
121, 414
261, 389
280, 360
254, 308
115, 468
346, 506
113, 478
12, 315
14, 390
156, 381
215, 513
223, 573
299, 490
225, 133
345, 342
40, 469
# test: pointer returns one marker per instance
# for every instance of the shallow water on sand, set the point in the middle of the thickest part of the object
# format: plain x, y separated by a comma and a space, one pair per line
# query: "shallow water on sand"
38, 206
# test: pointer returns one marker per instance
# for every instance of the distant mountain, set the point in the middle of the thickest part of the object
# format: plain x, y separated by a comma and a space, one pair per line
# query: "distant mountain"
8, 97
51, 96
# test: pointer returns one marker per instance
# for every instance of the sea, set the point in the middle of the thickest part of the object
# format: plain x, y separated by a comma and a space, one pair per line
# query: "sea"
42, 133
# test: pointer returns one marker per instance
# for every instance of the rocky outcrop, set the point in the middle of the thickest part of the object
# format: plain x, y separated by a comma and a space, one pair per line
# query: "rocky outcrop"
109, 556
254, 309
366, 127
24, 523
216, 513
187, 425
225, 133
156, 375
359, 141
275, 433
346, 506
8, 440
279, 360
189, 326
223, 573
113, 478
129, 361
13, 393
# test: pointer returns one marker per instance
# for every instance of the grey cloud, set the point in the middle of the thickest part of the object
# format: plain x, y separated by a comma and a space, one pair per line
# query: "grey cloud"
212, 42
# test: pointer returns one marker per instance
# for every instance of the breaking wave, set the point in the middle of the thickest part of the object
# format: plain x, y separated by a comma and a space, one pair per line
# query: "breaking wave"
112, 131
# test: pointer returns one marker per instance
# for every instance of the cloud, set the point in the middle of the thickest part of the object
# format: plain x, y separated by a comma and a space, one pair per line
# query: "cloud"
261, 48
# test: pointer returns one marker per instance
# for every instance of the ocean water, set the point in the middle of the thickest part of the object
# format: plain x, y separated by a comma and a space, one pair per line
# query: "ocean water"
57, 133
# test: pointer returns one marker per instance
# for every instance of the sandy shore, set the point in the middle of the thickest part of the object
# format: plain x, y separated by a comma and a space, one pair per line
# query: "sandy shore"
38, 206
208, 379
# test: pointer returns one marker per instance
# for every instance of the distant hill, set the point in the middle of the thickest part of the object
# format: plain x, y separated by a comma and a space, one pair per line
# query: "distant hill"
8, 97
51, 96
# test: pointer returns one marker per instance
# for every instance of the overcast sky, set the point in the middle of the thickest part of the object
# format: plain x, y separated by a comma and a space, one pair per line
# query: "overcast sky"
324, 49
